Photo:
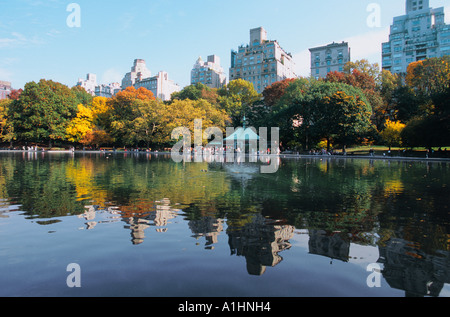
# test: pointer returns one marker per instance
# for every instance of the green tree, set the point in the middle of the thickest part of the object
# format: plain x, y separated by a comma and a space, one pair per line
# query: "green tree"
43, 111
317, 110
236, 98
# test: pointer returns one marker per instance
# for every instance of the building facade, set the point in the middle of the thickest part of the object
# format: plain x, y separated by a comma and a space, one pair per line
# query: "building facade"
89, 84
160, 85
139, 71
107, 91
209, 73
5, 89
419, 34
329, 58
261, 62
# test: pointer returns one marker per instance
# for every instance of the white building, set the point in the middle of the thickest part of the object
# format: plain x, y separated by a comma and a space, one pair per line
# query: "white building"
5, 89
89, 84
139, 71
419, 34
107, 91
209, 73
329, 58
160, 85
262, 62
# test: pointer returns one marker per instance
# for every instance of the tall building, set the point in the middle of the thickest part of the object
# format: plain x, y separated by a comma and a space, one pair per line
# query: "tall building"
89, 84
209, 73
160, 85
261, 62
419, 34
329, 58
5, 89
139, 71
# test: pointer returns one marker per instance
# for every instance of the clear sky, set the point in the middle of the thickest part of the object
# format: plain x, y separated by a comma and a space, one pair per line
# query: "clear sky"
36, 42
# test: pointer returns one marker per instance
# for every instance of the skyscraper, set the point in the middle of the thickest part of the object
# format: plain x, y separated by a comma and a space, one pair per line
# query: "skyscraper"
419, 34
262, 62
209, 73
329, 58
139, 71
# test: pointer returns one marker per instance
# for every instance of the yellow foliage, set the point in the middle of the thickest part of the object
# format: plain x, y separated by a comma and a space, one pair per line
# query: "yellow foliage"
392, 132
81, 125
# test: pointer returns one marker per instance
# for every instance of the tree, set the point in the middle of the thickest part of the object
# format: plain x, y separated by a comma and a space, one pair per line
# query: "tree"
123, 112
364, 67
102, 112
82, 95
317, 110
361, 75
392, 133
81, 125
42, 112
429, 84
97, 137
6, 128
183, 113
236, 98
274, 92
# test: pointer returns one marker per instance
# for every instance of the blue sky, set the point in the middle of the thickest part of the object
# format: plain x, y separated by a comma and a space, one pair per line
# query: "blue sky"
36, 42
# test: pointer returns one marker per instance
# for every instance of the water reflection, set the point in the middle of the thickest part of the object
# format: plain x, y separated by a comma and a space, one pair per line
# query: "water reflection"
401, 208
408, 268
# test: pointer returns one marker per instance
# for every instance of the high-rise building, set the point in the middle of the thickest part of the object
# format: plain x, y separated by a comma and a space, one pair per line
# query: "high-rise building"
139, 71
209, 73
419, 34
89, 84
329, 58
261, 62
160, 85
5, 89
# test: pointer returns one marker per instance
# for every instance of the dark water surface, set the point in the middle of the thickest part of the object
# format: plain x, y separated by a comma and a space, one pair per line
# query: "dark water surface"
140, 225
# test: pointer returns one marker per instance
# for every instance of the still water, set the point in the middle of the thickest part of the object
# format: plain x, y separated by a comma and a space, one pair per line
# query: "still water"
143, 225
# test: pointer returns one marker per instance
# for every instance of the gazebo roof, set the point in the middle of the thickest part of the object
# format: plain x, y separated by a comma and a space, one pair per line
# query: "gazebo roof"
242, 134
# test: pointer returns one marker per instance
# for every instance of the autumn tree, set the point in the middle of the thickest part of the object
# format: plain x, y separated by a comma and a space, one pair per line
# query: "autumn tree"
123, 111
364, 76
183, 113
81, 125
392, 133
43, 111
274, 92
6, 129
236, 98
429, 83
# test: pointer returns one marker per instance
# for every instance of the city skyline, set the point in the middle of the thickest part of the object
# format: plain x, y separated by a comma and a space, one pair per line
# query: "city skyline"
36, 42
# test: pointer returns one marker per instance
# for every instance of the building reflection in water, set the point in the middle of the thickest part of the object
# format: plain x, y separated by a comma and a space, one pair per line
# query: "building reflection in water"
260, 242
138, 217
207, 227
331, 245
408, 268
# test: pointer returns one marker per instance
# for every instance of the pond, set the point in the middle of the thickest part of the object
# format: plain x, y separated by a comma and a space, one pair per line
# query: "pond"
142, 225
